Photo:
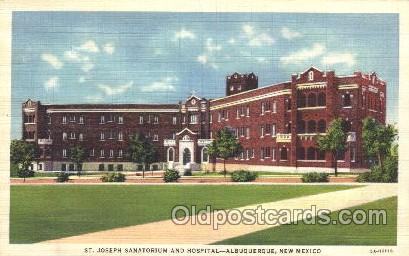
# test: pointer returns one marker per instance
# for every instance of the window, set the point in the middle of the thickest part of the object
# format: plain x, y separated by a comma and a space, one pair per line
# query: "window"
156, 119
273, 154
283, 154
72, 135
92, 152
81, 137
262, 131
64, 119
262, 153
237, 113
274, 107
63, 167
346, 100
311, 126
211, 118
267, 129
111, 134
219, 117
49, 119
320, 155
267, 152
301, 126
64, 136
111, 153
140, 119
312, 100
247, 111
311, 75
171, 153
119, 167
102, 153
72, 118
120, 135
81, 120
102, 120
321, 126
273, 130
102, 136
321, 99
301, 100
263, 107
71, 167
101, 167
311, 153
288, 104
247, 132
120, 120
193, 119
300, 154
174, 136
120, 152
341, 155
347, 126
110, 118
29, 119
253, 153
288, 128
174, 119
110, 167
155, 137
64, 153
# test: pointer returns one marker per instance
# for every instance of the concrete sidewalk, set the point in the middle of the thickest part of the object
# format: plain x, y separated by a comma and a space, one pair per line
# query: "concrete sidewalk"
166, 232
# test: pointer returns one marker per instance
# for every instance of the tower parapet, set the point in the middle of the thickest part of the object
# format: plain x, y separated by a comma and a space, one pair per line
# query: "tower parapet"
237, 83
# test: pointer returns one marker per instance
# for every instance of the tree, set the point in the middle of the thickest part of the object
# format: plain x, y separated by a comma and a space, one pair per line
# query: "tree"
377, 139
141, 150
334, 141
77, 155
22, 154
224, 146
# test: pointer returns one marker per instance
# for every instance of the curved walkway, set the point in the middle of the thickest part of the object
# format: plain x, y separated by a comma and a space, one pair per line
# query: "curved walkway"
166, 232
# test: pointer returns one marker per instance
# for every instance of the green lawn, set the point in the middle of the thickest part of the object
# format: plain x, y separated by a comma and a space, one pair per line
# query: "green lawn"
41, 213
259, 173
304, 234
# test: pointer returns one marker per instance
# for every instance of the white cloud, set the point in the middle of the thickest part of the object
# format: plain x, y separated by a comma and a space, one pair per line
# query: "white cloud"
51, 83
183, 34
248, 30
261, 40
94, 98
289, 34
109, 48
211, 46
339, 58
89, 46
52, 60
261, 59
81, 79
87, 67
202, 59
115, 89
256, 39
74, 56
232, 41
304, 54
165, 84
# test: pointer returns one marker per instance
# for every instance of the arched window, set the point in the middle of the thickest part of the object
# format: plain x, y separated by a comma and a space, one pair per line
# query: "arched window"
321, 126
311, 75
321, 99
186, 137
312, 100
288, 128
205, 155
311, 153
301, 126
320, 155
346, 100
301, 100
300, 153
283, 154
311, 126
171, 154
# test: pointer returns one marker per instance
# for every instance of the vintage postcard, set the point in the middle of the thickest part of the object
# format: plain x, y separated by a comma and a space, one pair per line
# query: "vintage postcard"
193, 128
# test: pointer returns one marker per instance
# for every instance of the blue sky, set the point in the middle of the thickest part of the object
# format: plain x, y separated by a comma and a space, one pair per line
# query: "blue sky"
139, 57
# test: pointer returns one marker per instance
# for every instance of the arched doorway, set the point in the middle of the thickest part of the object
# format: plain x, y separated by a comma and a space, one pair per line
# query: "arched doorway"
186, 156
205, 155
171, 154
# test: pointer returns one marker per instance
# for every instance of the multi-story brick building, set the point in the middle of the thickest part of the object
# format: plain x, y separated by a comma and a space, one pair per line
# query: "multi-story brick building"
277, 125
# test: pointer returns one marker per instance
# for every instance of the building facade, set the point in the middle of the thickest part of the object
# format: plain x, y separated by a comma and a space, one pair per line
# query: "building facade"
277, 125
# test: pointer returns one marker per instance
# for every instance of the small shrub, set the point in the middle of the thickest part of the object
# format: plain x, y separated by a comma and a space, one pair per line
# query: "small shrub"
314, 177
171, 175
63, 177
113, 177
243, 176
187, 172
25, 173
388, 175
